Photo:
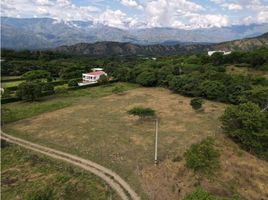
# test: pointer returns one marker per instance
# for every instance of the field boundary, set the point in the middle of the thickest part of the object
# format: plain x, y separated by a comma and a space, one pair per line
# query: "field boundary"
111, 178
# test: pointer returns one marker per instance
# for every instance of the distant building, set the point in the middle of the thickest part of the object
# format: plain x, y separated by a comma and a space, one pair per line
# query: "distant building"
210, 53
92, 77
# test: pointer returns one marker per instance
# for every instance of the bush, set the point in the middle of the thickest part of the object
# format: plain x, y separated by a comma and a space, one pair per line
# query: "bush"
73, 83
202, 157
248, 126
142, 112
29, 91
196, 103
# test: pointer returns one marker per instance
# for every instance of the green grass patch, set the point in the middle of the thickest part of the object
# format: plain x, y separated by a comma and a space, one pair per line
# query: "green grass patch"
21, 110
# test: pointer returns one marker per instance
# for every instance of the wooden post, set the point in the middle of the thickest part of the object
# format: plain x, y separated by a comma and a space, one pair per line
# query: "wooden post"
155, 142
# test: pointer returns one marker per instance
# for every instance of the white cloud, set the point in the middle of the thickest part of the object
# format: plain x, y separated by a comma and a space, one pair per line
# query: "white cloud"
112, 18
58, 9
262, 16
232, 6
206, 21
131, 4
155, 13
165, 12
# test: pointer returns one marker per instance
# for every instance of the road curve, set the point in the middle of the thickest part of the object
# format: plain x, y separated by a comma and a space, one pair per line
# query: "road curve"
111, 178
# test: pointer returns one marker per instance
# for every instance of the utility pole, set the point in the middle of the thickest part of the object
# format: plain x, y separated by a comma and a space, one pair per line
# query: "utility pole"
155, 142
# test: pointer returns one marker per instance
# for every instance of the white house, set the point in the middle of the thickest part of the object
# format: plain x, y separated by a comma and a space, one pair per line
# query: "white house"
92, 77
210, 53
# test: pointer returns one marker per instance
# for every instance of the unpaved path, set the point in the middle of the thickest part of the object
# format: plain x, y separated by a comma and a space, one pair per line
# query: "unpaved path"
111, 178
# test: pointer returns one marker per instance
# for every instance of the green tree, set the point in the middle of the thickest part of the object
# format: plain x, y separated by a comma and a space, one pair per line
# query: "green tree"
29, 91
202, 157
147, 78
142, 112
196, 103
213, 90
248, 126
36, 75
258, 95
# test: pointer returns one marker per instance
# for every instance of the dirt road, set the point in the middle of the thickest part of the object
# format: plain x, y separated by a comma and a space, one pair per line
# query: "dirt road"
111, 178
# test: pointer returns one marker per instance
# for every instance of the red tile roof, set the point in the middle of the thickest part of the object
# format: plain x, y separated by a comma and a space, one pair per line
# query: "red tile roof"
96, 73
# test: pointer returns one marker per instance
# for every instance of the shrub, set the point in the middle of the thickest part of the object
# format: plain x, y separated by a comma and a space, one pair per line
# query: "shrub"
73, 83
29, 91
142, 112
248, 126
202, 157
196, 103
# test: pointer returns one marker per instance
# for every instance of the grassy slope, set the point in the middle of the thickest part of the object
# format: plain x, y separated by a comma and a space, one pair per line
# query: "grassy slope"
100, 128
25, 173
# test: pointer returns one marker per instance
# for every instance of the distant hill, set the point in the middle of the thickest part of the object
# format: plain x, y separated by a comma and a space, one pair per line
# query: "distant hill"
42, 33
127, 49
246, 44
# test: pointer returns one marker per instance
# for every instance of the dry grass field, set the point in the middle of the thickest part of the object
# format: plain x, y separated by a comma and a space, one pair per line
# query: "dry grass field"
101, 130
246, 71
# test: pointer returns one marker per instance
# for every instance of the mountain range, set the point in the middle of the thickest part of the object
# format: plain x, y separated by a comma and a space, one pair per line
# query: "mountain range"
129, 49
43, 33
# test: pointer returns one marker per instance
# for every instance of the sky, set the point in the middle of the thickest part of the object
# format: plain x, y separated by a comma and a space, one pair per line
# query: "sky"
125, 14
